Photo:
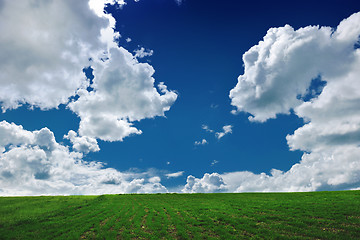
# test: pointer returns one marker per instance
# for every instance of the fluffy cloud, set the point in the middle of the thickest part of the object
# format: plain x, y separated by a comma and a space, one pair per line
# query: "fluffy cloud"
141, 53
278, 74
33, 163
207, 184
82, 144
338, 169
45, 45
48, 44
227, 129
280, 68
123, 92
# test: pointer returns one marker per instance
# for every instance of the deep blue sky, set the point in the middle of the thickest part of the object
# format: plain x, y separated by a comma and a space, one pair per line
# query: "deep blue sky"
198, 49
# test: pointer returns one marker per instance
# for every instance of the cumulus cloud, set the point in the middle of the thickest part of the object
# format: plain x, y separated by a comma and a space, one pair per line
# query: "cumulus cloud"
278, 72
45, 45
335, 170
142, 52
123, 92
175, 174
227, 129
34, 163
207, 184
202, 142
82, 144
48, 44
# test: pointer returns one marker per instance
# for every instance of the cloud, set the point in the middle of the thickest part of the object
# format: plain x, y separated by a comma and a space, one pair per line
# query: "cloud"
141, 53
214, 106
206, 128
179, 2
227, 129
207, 184
155, 179
214, 162
202, 142
34, 163
82, 144
279, 72
45, 51
175, 174
128, 40
47, 46
123, 92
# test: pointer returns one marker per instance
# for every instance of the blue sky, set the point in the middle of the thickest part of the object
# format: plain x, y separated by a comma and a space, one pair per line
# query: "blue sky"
196, 48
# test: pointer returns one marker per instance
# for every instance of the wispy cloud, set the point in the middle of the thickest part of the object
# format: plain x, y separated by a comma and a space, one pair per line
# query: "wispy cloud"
175, 174
214, 106
179, 2
214, 162
206, 128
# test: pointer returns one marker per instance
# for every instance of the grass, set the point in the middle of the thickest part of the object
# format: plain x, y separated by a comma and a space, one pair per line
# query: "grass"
317, 215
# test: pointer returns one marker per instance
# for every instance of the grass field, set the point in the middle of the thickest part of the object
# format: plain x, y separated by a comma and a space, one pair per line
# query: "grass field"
319, 215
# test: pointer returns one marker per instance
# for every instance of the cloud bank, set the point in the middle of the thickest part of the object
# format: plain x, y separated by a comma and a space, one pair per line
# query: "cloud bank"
279, 71
34, 163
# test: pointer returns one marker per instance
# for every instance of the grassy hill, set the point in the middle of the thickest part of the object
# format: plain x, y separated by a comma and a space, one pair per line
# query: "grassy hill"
318, 215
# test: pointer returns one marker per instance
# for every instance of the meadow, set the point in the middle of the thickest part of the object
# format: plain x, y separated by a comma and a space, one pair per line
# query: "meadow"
315, 215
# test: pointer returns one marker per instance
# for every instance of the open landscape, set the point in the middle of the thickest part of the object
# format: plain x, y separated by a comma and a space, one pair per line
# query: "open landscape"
314, 215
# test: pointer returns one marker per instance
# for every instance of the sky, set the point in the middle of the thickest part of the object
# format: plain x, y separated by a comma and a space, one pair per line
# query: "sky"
148, 96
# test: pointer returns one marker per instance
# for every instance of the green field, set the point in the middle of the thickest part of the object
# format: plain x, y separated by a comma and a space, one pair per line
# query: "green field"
319, 215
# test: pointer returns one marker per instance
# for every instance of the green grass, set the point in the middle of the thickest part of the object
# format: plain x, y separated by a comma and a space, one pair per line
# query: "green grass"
319, 215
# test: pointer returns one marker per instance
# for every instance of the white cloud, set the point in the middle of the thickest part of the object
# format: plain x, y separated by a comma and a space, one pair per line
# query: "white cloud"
277, 71
128, 40
175, 174
142, 52
123, 92
206, 128
202, 142
33, 163
227, 129
207, 184
335, 170
155, 179
281, 67
82, 144
179, 2
48, 44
